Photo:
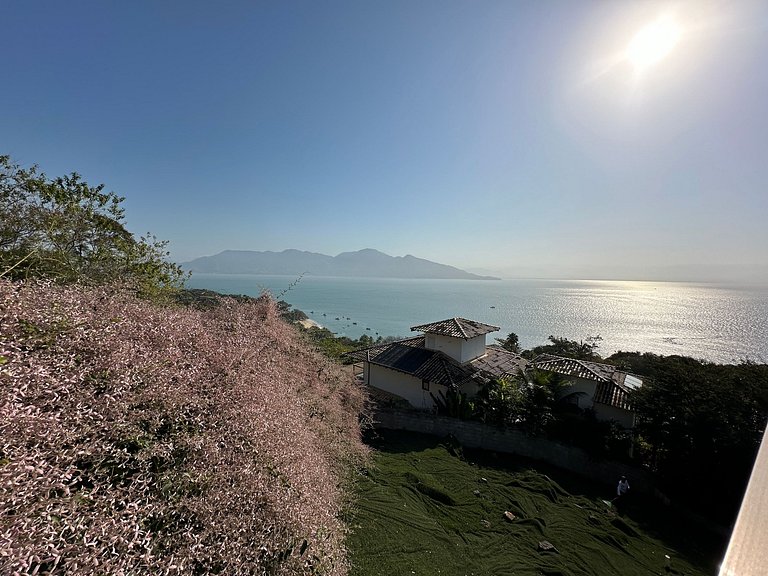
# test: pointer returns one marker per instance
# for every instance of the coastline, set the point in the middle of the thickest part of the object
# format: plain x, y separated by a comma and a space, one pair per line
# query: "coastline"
308, 323
714, 323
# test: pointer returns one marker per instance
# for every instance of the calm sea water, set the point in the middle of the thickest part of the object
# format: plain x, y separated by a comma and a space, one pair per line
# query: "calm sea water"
719, 323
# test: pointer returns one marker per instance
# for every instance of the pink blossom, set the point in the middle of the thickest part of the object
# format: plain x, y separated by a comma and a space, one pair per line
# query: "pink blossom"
136, 438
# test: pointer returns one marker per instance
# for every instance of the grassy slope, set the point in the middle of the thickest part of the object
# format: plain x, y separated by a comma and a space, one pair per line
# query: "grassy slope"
418, 513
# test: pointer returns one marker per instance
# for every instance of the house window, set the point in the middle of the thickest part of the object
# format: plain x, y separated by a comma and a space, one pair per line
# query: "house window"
425, 385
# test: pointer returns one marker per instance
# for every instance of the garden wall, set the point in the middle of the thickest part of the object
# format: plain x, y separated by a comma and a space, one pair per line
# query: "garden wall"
478, 435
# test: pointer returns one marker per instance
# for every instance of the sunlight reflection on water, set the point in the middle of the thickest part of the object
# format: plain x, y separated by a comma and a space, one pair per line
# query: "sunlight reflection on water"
719, 323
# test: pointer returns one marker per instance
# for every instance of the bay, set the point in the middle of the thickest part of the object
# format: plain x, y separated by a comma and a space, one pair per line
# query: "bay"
714, 322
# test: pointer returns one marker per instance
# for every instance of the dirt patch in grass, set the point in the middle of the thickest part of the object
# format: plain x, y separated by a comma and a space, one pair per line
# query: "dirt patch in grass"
428, 507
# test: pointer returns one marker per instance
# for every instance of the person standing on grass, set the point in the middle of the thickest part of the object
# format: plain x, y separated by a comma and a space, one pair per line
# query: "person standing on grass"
622, 488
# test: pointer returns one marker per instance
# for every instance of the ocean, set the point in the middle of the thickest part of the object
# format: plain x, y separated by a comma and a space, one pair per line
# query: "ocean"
714, 322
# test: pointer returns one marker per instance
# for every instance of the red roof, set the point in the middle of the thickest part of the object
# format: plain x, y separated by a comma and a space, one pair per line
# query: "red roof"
456, 327
411, 357
611, 388
572, 367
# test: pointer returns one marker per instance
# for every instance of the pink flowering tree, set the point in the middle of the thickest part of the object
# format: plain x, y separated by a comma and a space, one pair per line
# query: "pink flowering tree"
139, 439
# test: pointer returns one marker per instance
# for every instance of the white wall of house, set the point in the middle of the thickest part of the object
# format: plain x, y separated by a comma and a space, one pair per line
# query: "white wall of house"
404, 385
471, 388
473, 348
446, 344
602, 411
582, 392
429, 341
457, 348
623, 417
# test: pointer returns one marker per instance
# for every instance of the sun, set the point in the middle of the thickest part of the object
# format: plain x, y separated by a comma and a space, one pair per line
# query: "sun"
653, 43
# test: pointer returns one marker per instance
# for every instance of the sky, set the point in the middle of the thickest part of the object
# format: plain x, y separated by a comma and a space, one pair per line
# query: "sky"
513, 137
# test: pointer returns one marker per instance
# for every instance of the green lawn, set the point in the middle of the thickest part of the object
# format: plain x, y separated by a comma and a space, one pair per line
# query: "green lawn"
426, 507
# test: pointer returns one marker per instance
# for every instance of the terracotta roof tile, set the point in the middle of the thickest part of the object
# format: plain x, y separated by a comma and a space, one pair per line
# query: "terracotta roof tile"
572, 367
499, 363
372, 352
612, 394
411, 357
456, 327
610, 388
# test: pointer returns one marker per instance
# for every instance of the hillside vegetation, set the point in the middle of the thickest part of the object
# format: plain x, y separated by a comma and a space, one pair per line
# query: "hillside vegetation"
65, 229
142, 439
693, 417
427, 508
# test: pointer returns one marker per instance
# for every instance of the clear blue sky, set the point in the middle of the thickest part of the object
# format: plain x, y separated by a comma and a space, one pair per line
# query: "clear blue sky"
510, 136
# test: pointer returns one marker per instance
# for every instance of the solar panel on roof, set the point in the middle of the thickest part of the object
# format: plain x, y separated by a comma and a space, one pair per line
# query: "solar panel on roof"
632, 381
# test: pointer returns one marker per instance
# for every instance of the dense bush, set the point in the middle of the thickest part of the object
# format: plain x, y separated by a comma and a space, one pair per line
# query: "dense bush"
527, 401
335, 347
581, 350
695, 418
137, 439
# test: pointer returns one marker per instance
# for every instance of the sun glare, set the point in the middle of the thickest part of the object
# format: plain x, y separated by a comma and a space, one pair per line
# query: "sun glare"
653, 43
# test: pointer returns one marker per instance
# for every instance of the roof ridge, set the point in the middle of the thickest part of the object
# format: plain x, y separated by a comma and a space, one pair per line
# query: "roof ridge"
457, 327
584, 364
457, 319
587, 367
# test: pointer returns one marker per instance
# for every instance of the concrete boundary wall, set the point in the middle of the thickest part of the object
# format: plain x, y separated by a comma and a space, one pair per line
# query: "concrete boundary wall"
478, 435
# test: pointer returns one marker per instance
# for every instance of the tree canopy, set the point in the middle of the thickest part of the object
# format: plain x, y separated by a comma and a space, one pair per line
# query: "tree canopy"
699, 425
65, 229
511, 343
581, 350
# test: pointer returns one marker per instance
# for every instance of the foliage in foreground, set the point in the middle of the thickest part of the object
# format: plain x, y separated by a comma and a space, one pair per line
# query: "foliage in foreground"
137, 439
63, 228
424, 508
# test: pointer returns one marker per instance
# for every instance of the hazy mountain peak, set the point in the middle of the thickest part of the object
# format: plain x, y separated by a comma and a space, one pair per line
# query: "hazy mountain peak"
367, 262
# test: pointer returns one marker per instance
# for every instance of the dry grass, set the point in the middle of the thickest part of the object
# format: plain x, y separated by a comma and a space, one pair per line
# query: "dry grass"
142, 439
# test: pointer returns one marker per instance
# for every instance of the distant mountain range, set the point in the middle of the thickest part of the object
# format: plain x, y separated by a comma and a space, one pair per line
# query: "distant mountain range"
363, 263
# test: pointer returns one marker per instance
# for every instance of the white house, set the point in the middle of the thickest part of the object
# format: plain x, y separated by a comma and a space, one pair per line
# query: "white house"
451, 354
592, 385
